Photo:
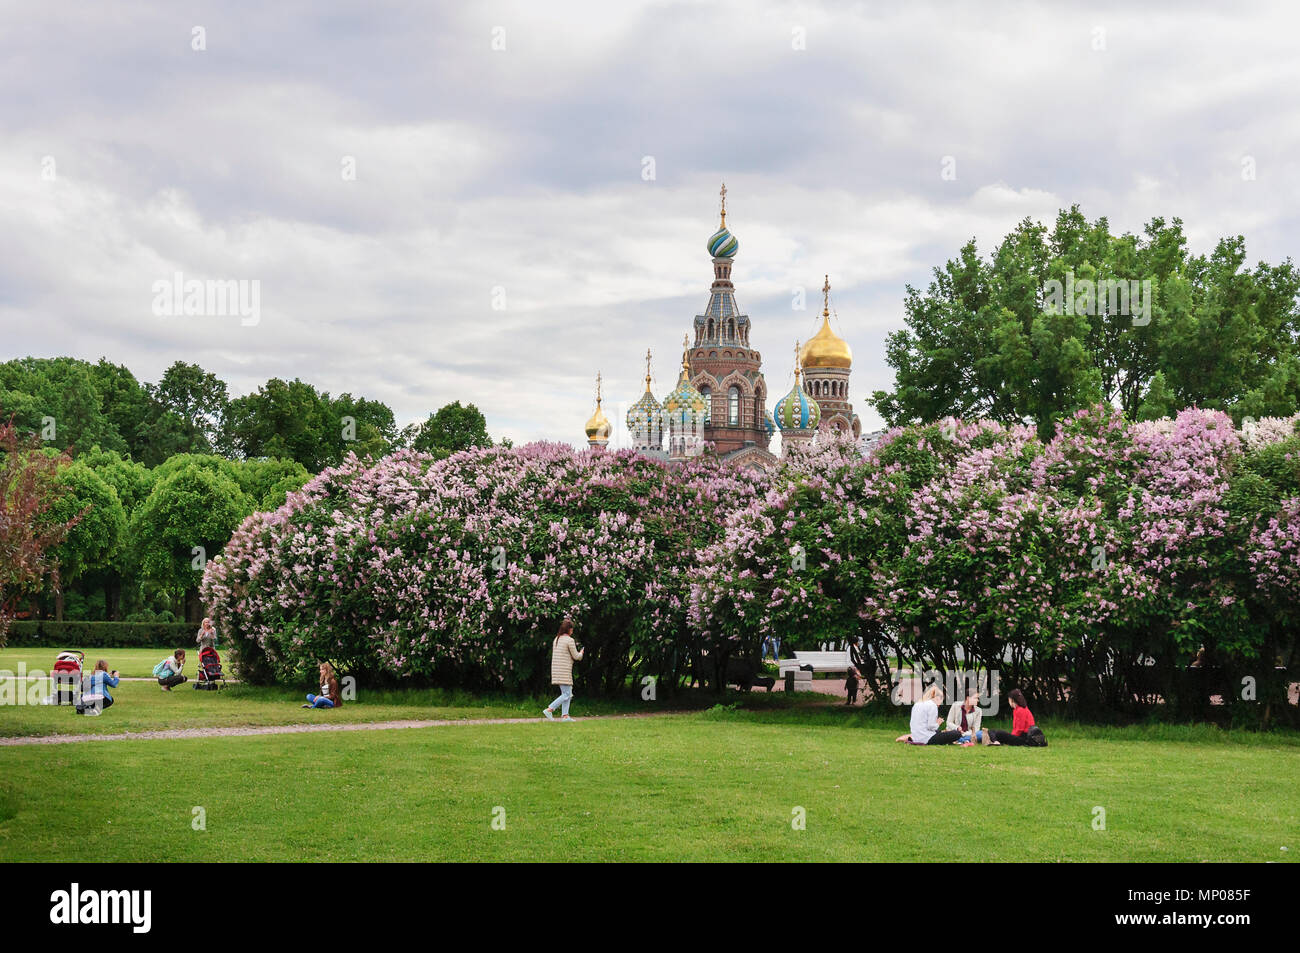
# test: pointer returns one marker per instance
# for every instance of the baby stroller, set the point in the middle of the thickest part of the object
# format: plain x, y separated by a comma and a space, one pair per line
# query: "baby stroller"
210, 677
67, 677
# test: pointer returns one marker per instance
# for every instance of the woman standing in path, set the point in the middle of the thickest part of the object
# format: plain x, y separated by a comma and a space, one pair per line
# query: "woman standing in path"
564, 652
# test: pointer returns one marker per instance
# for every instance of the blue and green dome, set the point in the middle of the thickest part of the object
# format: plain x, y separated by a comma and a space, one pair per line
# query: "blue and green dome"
643, 416
685, 405
723, 244
769, 425
796, 410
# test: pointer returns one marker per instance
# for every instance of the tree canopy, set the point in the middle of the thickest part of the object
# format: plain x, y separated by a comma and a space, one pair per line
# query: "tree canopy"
1055, 321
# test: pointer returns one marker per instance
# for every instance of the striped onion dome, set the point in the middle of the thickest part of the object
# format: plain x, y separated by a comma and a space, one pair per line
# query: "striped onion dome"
769, 425
723, 244
796, 410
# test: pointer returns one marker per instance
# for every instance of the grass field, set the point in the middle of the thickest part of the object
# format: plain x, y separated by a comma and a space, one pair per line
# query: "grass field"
144, 706
716, 785
131, 663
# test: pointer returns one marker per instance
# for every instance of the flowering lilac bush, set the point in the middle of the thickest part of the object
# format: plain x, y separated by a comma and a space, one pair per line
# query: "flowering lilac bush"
459, 571
1090, 569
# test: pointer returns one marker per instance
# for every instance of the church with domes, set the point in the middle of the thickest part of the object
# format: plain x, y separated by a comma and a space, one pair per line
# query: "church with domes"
720, 400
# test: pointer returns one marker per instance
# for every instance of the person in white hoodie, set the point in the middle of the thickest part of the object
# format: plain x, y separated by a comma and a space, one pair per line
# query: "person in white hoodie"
965, 716
926, 721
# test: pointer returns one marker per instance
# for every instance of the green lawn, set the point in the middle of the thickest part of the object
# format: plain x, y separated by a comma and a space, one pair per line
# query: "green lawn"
128, 662
718, 785
144, 706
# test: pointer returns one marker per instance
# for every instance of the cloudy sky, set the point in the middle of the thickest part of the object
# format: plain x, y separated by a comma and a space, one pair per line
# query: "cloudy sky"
502, 237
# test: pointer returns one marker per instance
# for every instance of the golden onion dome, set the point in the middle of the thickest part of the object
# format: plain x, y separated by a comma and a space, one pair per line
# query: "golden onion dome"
598, 427
826, 348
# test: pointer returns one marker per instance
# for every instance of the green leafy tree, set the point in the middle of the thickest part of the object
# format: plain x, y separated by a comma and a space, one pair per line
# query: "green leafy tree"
95, 540
126, 404
452, 428
61, 391
260, 478
189, 405
186, 520
132, 481
293, 420
1053, 322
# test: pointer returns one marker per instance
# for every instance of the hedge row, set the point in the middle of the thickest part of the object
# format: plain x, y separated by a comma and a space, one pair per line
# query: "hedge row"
108, 635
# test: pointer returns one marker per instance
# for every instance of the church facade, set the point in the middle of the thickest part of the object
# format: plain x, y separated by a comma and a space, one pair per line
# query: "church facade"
721, 397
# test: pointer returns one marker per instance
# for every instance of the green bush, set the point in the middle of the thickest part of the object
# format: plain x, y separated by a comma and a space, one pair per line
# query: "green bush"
107, 635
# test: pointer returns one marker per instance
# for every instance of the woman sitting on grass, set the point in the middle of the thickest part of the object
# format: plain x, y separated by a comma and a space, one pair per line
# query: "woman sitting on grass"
329, 690
1022, 719
170, 671
926, 721
965, 716
94, 694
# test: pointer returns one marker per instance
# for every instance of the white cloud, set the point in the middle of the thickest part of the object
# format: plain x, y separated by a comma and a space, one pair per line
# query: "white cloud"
521, 169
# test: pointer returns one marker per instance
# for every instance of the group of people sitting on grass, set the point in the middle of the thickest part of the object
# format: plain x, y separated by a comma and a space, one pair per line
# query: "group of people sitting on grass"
965, 723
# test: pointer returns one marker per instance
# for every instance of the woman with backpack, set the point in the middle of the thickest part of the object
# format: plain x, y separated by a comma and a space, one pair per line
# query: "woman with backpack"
564, 652
170, 671
1023, 733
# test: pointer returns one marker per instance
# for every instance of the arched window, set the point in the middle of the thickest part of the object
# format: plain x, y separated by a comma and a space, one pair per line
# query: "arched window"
709, 332
707, 393
733, 406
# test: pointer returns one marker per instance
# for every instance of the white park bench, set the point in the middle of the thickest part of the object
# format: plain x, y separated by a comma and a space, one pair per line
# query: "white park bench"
820, 662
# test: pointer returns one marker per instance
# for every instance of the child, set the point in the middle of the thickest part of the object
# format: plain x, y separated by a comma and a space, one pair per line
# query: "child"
851, 684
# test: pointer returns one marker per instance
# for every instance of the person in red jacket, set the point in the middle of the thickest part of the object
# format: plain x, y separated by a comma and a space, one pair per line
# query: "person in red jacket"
1022, 719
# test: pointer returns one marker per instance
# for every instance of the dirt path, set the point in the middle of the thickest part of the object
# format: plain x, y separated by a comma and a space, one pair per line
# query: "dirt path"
239, 731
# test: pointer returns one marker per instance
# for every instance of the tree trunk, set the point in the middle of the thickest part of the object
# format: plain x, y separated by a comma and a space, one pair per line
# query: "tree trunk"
112, 597
58, 596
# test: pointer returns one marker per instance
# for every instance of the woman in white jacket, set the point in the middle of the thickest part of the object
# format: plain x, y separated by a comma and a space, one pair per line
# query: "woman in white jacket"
965, 716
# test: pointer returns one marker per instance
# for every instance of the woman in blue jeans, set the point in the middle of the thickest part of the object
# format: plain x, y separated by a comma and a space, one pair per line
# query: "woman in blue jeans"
329, 690
564, 652
94, 696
